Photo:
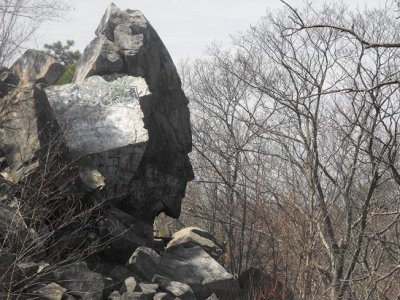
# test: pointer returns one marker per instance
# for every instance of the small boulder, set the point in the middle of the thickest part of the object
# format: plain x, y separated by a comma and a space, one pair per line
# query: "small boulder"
128, 286
79, 280
51, 291
37, 67
192, 236
120, 273
144, 262
178, 289
200, 271
133, 296
125, 233
162, 296
114, 296
148, 289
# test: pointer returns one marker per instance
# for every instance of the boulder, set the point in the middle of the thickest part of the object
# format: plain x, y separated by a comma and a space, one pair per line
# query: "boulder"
144, 262
114, 296
147, 289
129, 285
125, 233
37, 67
120, 273
162, 296
178, 289
27, 129
192, 236
121, 129
80, 281
212, 297
51, 291
200, 271
133, 296
154, 175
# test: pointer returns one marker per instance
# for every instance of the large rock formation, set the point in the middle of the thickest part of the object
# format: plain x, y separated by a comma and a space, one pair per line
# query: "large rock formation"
122, 126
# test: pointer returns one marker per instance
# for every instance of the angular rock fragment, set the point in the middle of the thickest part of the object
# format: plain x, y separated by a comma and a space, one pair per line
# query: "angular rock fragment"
144, 262
200, 271
133, 296
129, 285
178, 289
147, 289
114, 296
51, 291
37, 67
80, 281
192, 236
162, 296
120, 273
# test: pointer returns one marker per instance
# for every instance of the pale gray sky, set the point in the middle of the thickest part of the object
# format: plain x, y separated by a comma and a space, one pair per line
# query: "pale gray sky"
185, 26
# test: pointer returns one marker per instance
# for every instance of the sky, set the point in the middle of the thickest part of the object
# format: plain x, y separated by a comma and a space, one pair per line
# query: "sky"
186, 27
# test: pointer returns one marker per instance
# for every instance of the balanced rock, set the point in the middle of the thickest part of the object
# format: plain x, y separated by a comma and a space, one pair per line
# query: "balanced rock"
192, 236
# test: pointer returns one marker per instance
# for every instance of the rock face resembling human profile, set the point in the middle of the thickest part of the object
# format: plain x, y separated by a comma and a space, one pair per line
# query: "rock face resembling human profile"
124, 117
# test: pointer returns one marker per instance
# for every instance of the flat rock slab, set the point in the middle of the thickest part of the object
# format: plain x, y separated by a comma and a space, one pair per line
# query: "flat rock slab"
100, 113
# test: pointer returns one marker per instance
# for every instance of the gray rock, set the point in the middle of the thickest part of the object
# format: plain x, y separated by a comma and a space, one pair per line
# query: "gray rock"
133, 296
178, 289
51, 291
192, 236
128, 286
27, 129
100, 57
144, 262
120, 273
114, 296
212, 297
125, 234
37, 67
124, 116
80, 281
148, 289
162, 296
200, 271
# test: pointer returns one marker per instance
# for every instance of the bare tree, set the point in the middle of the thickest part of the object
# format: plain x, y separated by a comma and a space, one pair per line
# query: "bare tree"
321, 118
19, 19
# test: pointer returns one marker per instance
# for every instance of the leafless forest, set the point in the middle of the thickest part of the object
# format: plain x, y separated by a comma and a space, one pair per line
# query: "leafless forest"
296, 138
